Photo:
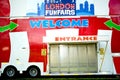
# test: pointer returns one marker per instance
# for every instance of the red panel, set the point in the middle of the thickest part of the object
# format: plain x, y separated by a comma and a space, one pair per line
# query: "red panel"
114, 7
4, 12
4, 47
117, 64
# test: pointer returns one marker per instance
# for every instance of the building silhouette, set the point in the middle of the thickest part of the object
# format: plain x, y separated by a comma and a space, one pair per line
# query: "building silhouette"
85, 9
40, 9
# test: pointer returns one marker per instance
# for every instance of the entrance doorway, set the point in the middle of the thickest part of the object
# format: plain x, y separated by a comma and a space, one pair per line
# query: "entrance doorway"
73, 58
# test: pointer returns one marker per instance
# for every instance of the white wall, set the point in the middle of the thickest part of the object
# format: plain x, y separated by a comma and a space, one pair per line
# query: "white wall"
18, 7
101, 7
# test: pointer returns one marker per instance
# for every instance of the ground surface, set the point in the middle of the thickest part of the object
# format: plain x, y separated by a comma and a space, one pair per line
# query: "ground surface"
85, 77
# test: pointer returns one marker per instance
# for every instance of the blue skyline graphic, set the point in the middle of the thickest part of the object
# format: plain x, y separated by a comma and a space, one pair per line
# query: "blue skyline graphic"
40, 10
84, 8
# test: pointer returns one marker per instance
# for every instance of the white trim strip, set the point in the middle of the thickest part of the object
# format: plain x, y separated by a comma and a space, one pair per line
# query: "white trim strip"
116, 54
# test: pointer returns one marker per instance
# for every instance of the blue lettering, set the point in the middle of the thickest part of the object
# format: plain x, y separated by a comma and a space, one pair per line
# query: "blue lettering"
85, 22
58, 23
34, 24
66, 23
45, 24
76, 23
51, 24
